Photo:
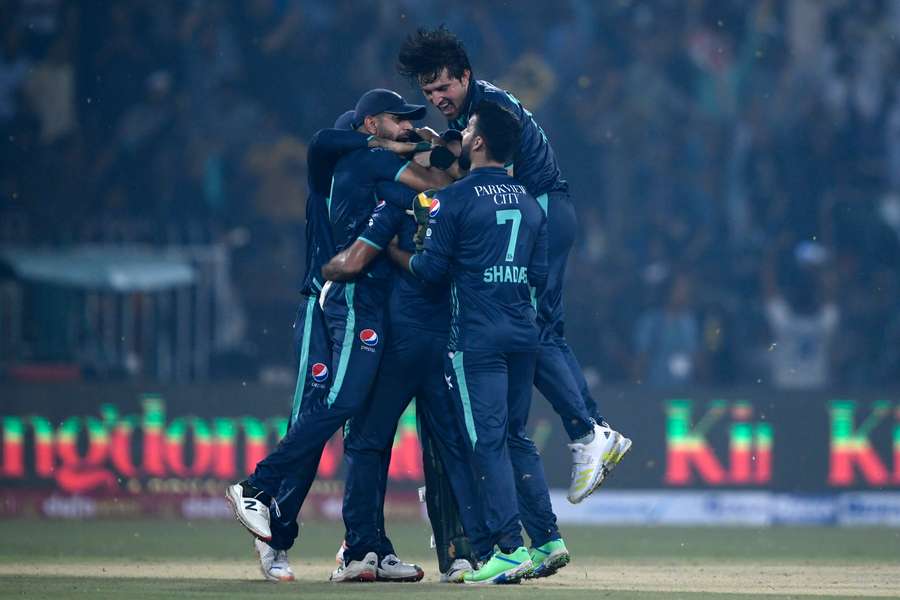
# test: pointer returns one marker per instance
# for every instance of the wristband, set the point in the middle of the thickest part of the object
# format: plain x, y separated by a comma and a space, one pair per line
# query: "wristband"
442, 158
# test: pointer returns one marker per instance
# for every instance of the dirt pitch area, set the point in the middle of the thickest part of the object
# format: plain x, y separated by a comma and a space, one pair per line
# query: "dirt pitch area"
878, 580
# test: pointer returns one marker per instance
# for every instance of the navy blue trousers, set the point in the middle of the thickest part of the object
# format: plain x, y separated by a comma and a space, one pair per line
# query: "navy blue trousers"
412, 367
353, 324
558, 375
493, 390
313, 348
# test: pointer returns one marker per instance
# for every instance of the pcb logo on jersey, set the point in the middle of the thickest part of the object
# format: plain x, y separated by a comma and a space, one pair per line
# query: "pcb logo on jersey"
435, 208
369, 337
319, 372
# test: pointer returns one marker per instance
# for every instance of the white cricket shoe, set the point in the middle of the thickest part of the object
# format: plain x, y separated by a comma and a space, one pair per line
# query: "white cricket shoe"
273, 563
457, 571
392, 568
357, 570
339, 555
622, 448
249, 510
589, 462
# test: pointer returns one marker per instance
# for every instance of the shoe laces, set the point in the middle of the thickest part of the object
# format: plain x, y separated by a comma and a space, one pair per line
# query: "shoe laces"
579, 456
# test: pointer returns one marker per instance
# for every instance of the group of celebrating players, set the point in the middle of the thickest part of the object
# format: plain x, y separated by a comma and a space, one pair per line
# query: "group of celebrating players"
435, 267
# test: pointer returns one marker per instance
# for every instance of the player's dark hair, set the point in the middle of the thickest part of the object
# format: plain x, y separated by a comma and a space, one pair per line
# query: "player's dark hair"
500, 129
427, 52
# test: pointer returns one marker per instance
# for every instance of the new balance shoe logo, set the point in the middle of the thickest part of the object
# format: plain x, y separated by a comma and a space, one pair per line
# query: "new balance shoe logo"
250, 505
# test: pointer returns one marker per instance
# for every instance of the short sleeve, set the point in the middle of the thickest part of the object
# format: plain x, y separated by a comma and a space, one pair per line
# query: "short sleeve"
384, 165
384, 224
395, 194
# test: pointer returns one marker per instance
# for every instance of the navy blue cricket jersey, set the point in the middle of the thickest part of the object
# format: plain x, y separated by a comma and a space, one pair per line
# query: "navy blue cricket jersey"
490, 235
325, 148
353, 199
534, 164
413, 302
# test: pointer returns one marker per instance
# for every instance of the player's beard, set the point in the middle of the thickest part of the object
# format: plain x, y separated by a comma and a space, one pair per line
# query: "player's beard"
465, 159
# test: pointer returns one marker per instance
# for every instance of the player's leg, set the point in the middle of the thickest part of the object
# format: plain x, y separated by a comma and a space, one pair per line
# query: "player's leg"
554, 377
366, 451
460, 536
596, 450
313, 355
355, 361
614, 455
454, 551
311, 341
478, 383
548, 551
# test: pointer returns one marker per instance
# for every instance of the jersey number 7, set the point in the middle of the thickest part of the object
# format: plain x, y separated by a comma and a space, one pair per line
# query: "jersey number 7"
514, 215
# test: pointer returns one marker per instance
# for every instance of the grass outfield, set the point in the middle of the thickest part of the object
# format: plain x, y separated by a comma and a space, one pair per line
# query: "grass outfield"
167, 559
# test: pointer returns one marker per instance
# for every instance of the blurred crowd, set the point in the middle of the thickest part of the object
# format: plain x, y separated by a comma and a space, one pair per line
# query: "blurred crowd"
735, 165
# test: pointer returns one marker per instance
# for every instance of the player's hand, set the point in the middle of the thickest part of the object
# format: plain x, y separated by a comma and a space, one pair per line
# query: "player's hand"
401, 148
429, 135
442, 158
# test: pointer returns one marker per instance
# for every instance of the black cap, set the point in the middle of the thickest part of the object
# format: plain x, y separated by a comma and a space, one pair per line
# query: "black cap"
377, 101
345, 121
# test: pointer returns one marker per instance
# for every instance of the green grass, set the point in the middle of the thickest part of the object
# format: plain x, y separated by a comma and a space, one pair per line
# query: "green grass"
26, 542
145, 540
95, 588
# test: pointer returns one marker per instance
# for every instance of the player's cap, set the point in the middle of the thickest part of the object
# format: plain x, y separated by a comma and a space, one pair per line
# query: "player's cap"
377, 101
345, 121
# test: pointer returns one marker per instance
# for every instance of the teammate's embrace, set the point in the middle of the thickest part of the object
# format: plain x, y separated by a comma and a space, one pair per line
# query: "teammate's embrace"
352, 316
490, 237
436, 62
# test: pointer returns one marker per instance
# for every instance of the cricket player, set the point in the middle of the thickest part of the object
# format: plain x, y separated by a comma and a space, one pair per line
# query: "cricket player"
310, 334
352, 313
412, 367
489, 235
437, 63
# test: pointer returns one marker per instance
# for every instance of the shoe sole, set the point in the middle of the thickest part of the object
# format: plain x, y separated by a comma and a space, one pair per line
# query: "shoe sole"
235, 503
620, 455
364, 577
509, 577
550, 566
408, 579
274, 579
602, 472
